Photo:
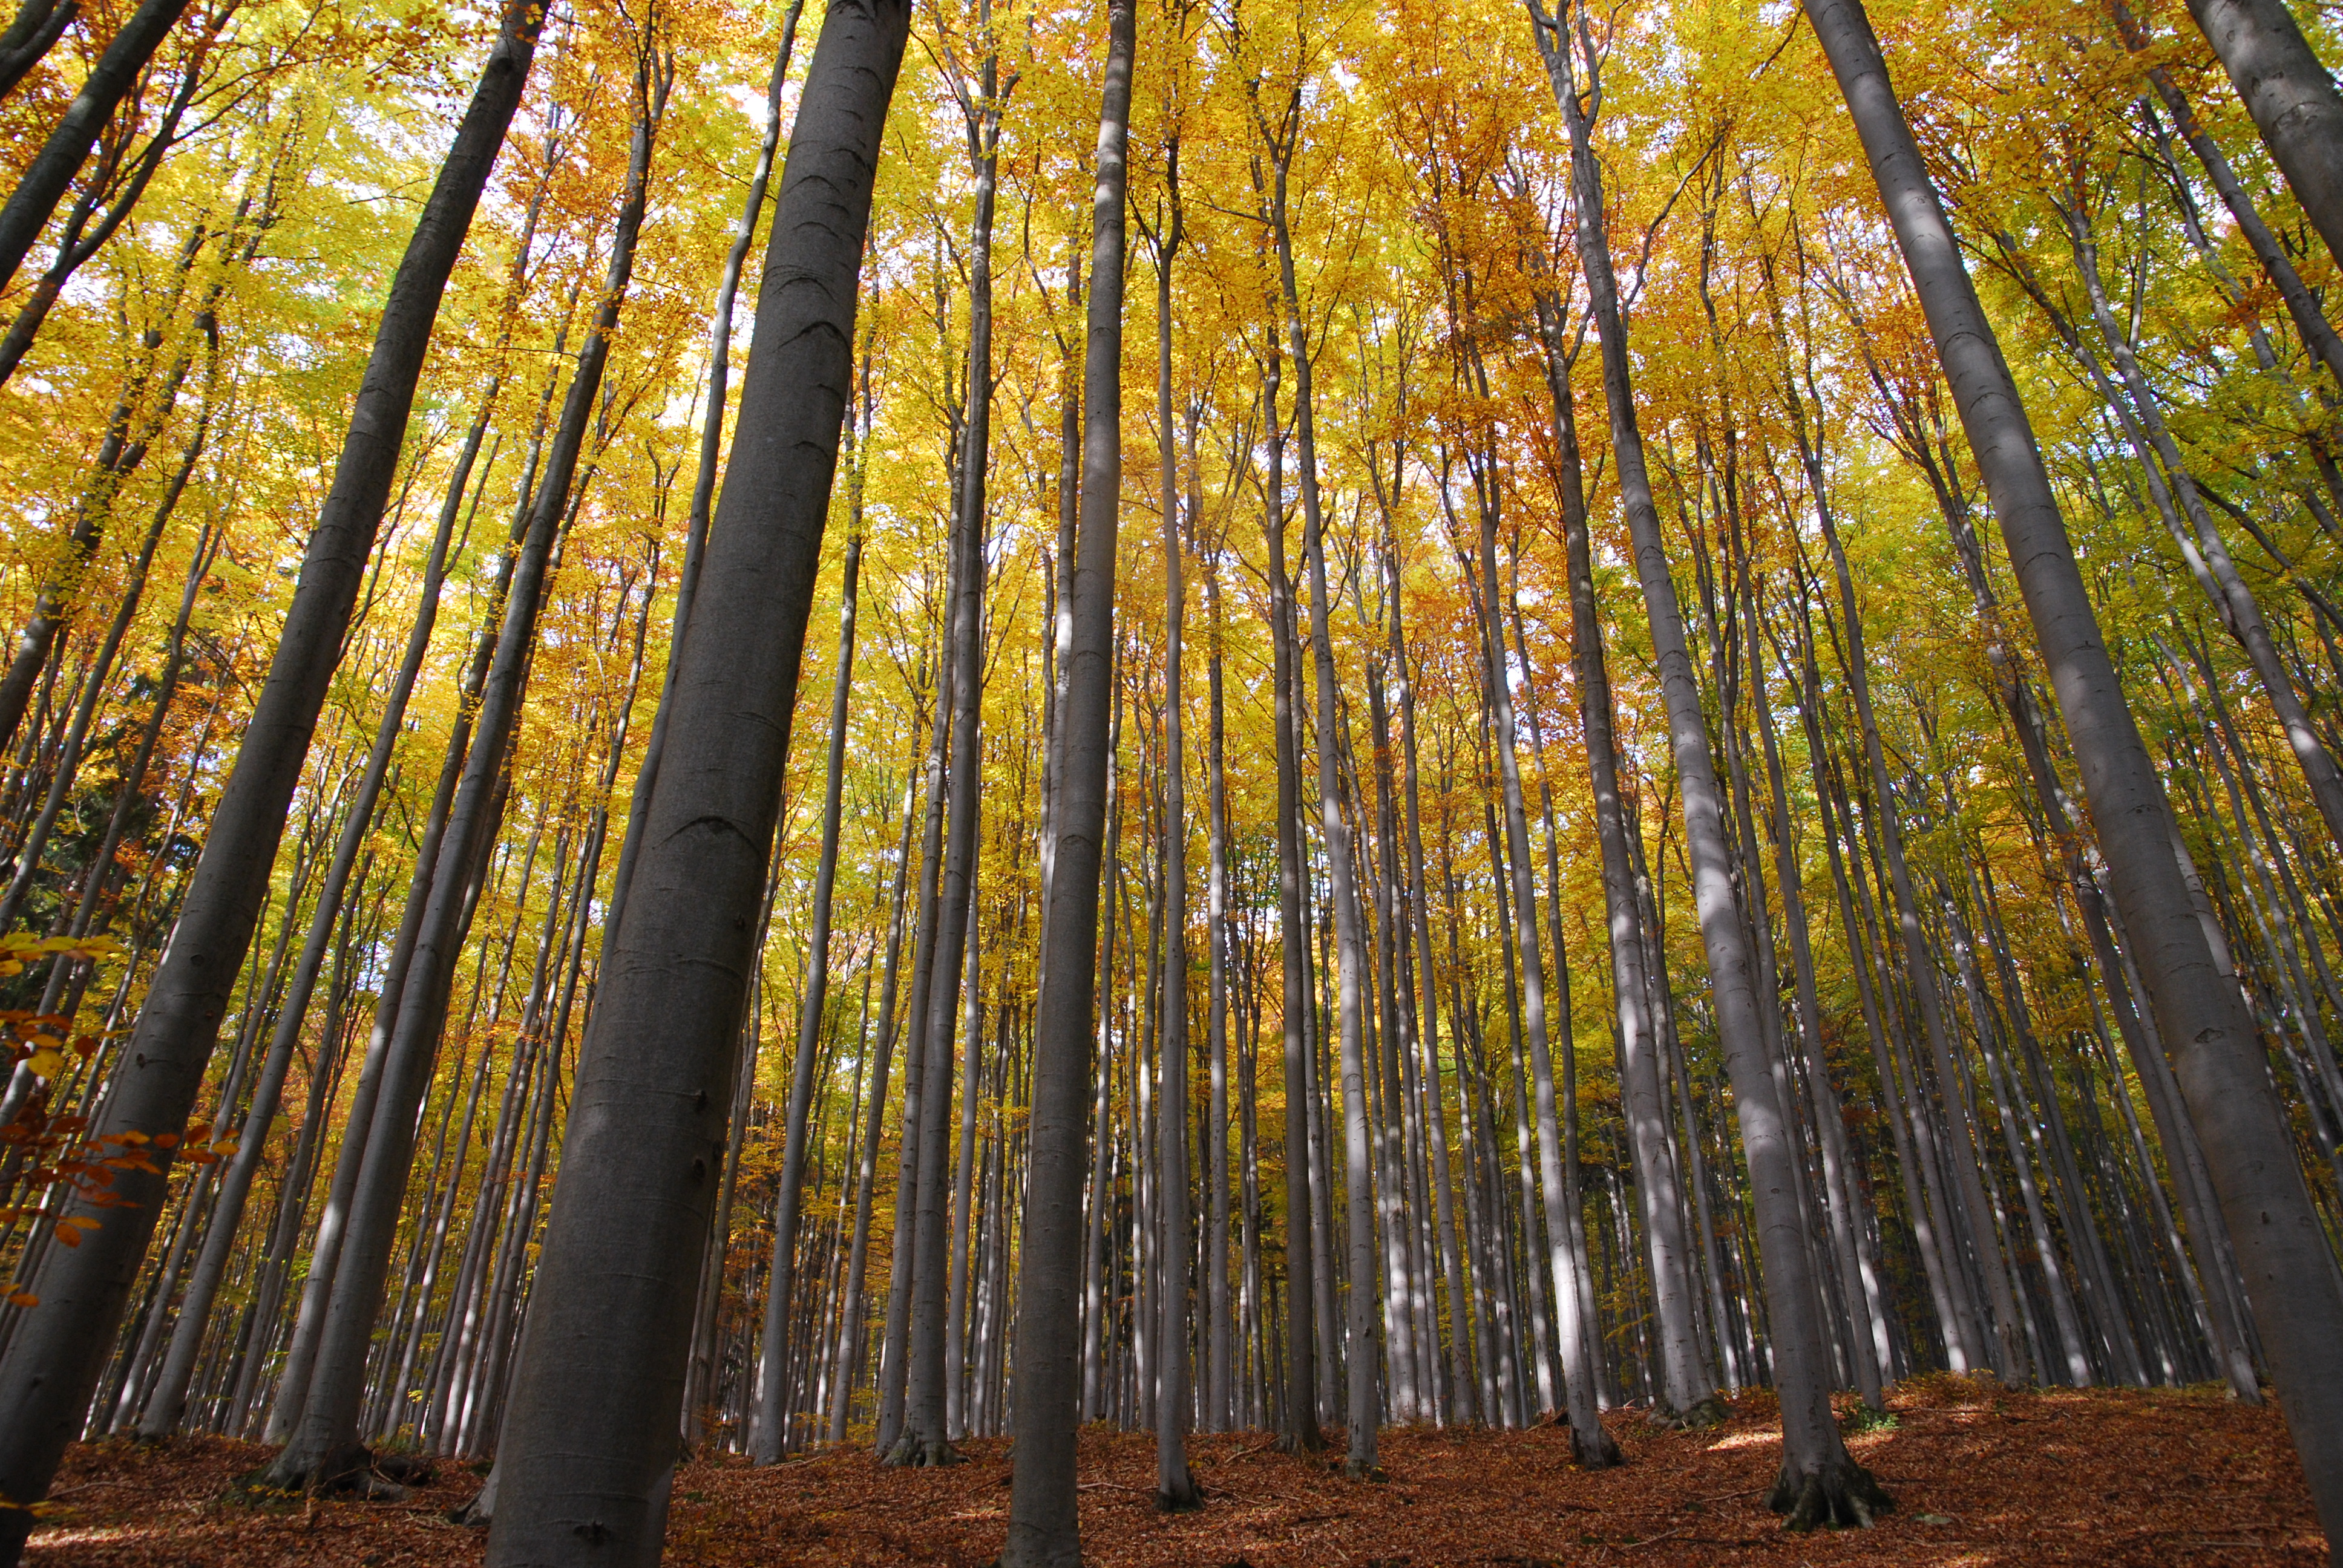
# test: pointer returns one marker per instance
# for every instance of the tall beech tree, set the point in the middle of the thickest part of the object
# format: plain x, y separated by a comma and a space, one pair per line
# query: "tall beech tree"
1044, 1528
55, 1358
772, 1432
2291, 96
331, 1411
1818, 1482
111, 78
586, 1467
1575, 921
2286, 1262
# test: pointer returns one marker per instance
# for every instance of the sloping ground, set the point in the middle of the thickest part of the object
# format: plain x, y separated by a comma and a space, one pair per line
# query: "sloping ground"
1980, 1477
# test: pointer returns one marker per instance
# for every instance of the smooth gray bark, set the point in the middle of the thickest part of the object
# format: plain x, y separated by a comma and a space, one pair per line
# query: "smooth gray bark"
1045, 1530
925, 1438
331, 1414
2291, 97
164, 1406
769, 1436
2009, 1359
2282, 1249
1685, 1377
584, 1462
59, 1350
1301, 1430
1175, 1487
1818, 1482
33, 32
712, 451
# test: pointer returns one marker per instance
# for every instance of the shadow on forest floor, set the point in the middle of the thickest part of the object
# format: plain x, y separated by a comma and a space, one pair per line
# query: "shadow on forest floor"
1980, 1476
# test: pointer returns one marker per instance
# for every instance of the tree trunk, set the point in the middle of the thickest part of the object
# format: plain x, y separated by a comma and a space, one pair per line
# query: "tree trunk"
1222, 1330
1364, 1397
55, 1359
711, 450
35, 31
330, 1414
925, 1440
1689, 1392
1302, 1432
770, 1435
584, 1462
2291, 97
2281, 1245
1175, 1488
51, 173
1920, 967
163, 1406
1045, 1531
1818, 1482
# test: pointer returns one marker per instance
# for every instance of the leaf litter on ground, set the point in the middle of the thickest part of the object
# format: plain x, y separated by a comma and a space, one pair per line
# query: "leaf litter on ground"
1981, 1476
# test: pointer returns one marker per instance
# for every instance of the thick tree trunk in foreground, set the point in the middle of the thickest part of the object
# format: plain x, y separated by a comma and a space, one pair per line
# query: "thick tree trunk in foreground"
2281, 1247
1045, 1531
59, 1349
585, 1460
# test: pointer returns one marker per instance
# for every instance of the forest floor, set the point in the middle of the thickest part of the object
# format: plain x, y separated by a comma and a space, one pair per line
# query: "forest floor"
1980, 1476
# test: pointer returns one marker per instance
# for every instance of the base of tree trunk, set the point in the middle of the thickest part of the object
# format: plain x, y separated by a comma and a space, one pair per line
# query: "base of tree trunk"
1355, 1471
1304, 1440
482, 1510
912, 1451
350, 1470
1710, 1411
1840, 1494
1184, 1498
1595, 1451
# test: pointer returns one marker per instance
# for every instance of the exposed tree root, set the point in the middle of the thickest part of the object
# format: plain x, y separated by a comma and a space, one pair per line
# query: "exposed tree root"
1182, 1498
1309, 1439
1595, 1451
350, 1470
912, 1452
1710, 1411
1840, 1494
482, 1508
